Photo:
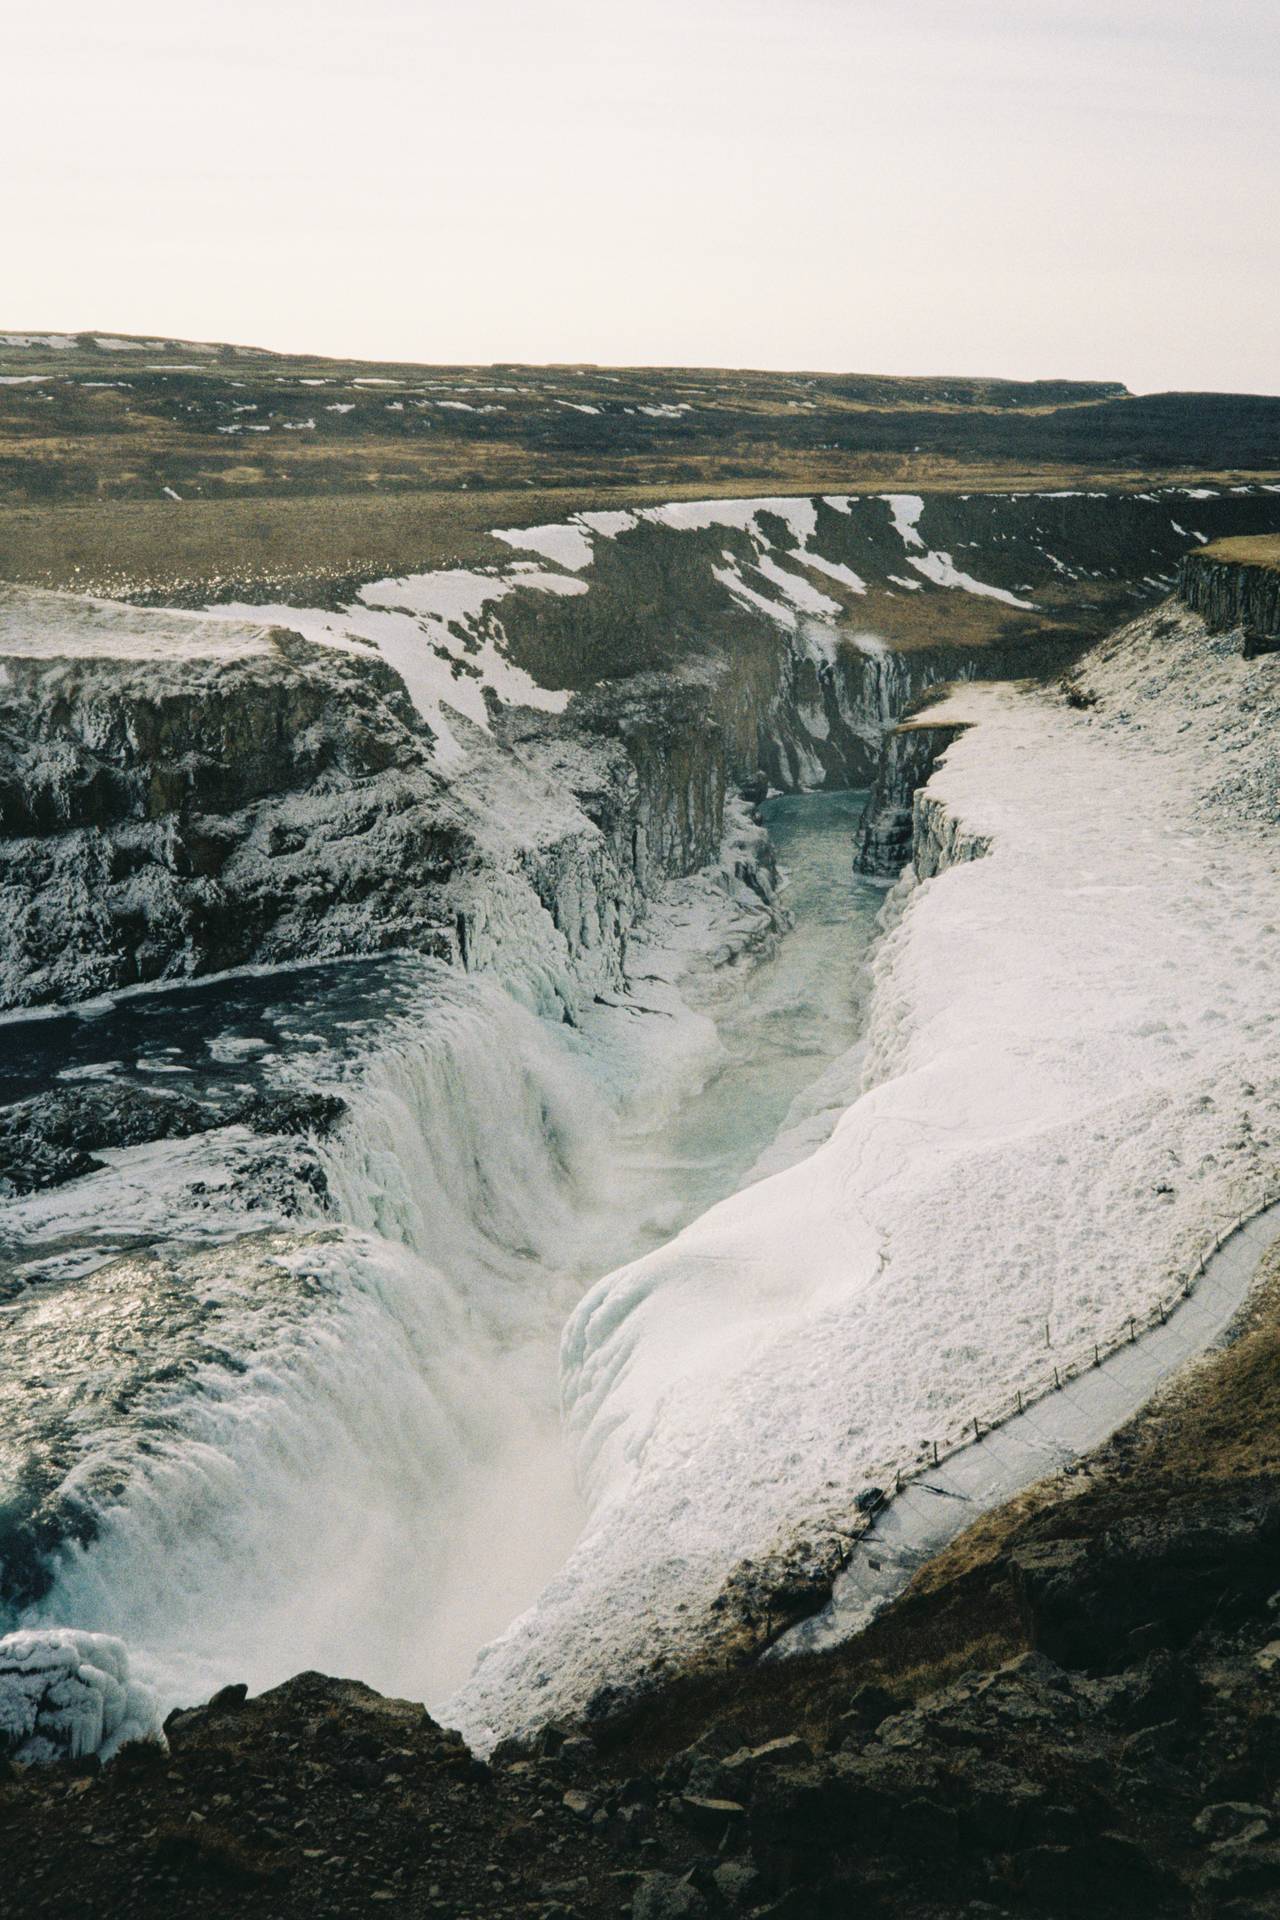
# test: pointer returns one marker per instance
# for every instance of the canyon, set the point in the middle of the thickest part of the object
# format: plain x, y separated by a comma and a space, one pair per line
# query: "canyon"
515, 841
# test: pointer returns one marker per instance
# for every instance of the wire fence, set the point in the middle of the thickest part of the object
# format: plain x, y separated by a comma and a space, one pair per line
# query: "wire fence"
936, 1453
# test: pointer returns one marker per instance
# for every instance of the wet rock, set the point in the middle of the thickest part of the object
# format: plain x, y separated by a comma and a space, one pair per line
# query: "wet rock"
295, 1110
736, 1883
926, 1830
710, 1819
1110, 1875
1000, 1807
1228, 1819
1157, 1573
663, 1896
1242, 1868
228, 1698
54, 1136
1231, 593
869, 1706
741, 1770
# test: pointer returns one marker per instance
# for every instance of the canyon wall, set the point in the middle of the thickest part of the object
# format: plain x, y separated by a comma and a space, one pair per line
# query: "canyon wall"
1236, 583
503, 766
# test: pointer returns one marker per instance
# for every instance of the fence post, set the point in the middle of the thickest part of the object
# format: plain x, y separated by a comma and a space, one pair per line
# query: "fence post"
935, 1453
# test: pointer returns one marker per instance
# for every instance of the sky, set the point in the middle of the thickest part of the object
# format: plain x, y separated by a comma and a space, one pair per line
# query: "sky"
1030, 188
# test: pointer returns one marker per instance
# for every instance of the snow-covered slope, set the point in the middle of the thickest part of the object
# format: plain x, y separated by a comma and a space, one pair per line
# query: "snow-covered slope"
1072, 1076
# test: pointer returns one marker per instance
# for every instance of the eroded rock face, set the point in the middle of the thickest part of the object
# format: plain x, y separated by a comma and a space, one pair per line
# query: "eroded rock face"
887, 830
187, 809
181, 799
1231, 591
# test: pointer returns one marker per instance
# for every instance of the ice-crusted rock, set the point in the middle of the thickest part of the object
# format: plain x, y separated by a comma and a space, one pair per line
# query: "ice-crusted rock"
66, 1694
181, 795
53, 1136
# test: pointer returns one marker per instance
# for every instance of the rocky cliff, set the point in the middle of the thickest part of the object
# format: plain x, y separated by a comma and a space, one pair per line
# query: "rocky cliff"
183, 794
1236, 583
180, 796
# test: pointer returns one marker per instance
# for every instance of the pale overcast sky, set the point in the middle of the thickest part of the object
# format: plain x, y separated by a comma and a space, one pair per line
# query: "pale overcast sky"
1022, 187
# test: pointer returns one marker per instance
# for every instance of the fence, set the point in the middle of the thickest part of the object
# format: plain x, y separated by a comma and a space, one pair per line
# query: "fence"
934, 1453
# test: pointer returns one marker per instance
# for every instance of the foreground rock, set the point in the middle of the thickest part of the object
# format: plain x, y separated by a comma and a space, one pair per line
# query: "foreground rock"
1074, 1712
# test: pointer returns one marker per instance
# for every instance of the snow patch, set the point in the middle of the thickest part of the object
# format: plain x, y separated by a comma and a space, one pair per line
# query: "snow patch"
566, 545
906, 509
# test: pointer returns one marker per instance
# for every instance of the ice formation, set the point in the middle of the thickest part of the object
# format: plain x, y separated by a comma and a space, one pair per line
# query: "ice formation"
1071, 1077
65, 1693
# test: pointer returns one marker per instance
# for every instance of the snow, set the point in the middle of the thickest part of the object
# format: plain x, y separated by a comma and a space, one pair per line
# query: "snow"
696, 515
800, 592
1071, 1078
746, 596
940, 568
436, 631
170, 494
39, 625
67, 1694
1046, 1437
607, 521
341, 406
906, 509
22, 379
565, 545
835, 570
59, 341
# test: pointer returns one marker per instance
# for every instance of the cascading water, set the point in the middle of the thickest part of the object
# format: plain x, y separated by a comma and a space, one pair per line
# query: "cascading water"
337, 1443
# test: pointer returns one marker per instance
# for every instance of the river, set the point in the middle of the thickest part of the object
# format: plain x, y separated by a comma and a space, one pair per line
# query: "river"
272, 1404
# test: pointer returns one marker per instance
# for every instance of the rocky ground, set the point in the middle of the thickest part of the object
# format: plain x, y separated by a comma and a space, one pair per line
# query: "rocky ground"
1074, 1711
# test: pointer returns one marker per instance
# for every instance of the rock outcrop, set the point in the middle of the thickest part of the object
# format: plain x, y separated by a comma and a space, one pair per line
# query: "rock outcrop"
1236, 584
886, 833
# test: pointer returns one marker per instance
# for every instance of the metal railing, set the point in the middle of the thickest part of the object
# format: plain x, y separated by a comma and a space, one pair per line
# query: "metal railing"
935, 1453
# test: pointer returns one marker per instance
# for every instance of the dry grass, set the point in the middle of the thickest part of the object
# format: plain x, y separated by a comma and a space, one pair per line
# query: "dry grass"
1251, 550
296, 472
309, 547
